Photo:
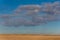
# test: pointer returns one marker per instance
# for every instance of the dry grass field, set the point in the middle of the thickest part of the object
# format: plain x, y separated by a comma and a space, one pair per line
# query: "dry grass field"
27, 37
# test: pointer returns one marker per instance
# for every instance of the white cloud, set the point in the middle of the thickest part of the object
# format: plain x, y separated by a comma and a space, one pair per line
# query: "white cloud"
29, 15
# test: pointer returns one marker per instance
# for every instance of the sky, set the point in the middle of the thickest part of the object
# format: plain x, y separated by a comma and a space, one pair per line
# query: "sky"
8, 7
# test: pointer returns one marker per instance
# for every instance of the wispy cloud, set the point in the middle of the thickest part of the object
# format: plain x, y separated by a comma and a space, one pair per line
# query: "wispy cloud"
30, 15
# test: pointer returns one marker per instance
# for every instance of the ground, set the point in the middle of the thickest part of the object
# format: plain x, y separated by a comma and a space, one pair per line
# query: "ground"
27, 37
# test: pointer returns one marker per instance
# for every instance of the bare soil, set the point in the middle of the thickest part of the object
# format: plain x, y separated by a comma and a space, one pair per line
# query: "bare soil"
28, 37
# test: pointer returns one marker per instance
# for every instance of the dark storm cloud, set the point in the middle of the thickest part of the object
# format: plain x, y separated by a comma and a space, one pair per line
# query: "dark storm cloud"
30, 15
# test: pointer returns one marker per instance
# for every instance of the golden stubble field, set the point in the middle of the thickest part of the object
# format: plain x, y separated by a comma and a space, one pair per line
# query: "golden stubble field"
27, 37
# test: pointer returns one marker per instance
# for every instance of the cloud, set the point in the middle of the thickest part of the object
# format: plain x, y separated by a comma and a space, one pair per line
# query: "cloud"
30, 15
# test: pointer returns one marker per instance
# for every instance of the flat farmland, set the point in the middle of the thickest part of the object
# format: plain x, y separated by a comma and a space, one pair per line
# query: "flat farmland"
27, 37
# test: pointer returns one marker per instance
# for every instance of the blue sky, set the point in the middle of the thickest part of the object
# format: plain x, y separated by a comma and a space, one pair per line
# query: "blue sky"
7, 6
